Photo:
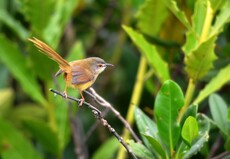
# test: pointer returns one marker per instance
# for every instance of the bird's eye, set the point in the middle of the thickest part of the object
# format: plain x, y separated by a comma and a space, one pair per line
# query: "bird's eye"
99, 65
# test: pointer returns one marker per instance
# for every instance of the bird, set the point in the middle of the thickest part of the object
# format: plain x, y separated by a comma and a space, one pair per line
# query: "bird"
78, 74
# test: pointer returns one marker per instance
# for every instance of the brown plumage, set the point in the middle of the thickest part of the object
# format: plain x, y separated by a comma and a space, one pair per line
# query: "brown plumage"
79, 74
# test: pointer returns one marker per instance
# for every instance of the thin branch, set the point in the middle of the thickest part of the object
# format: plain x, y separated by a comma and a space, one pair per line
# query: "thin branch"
222, 155
98, 116
100, 100
79, 138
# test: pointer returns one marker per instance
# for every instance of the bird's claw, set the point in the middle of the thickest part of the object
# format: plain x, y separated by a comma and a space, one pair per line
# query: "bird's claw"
81, 101
65, 94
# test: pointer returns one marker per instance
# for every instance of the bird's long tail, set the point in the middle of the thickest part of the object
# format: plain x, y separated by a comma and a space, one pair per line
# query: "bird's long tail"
45, 49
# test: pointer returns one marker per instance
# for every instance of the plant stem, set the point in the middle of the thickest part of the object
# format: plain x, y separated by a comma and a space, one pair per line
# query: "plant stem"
188, 97
204, 35
135, 100
207, 23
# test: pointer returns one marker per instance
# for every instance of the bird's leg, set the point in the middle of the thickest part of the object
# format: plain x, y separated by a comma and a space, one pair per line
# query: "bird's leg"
82, 98
65, 93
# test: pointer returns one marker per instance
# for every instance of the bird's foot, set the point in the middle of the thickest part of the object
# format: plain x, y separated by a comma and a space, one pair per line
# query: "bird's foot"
81, 101
65, 94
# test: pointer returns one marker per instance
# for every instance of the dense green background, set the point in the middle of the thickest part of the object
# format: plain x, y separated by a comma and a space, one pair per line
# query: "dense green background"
148, 40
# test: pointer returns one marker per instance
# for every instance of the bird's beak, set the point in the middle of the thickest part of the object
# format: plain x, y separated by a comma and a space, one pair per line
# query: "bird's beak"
108, 64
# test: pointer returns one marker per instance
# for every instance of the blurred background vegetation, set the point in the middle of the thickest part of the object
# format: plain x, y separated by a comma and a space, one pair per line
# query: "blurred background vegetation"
36, 124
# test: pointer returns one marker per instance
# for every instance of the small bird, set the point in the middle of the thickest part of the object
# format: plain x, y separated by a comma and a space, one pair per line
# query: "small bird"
79, 74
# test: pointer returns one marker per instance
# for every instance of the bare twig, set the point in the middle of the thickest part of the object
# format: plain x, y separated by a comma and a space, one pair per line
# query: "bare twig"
79, 138
98, 116
222, 155
106, 104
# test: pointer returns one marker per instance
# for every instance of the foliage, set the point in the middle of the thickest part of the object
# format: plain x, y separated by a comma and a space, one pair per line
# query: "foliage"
183, 49
171, 139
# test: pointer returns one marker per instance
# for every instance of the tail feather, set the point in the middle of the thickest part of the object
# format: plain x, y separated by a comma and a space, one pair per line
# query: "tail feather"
45, 49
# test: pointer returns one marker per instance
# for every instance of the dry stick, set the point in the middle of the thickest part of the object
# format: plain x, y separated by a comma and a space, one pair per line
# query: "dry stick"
97, 114
106, 104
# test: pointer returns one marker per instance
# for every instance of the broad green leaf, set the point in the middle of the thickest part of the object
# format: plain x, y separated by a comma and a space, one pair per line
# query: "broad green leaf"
172, 5
140, 150
219, 112
14, 145
150, 17
145, 125
107, 150
221, 19
151, 54
13, 24
217, 4
17, 64
6, 100
76, 52
167, 104
26, 111
37, 13
200, 60
156, 146
203, 137
191, 111
215, 84
189, 130
44, 134
43, 66
62, 120
60, 18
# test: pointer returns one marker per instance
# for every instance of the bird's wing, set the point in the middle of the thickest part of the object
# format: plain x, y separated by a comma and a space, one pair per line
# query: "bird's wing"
80, 75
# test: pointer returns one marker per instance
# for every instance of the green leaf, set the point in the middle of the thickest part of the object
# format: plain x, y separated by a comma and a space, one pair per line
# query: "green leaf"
76, 52
140, 150
156, 146
189, 130
37, 13
215, 84
221, 19
167, 104
16, 63
199, 16
172, 5
44, 134
217, 4
198, 34
26, 111
43, 66
145, 125
60, 18
151, 54
227, 144
191, 111
13, 24
107, 150
62, 121
204, 126
6, 100
150, 16
200, 60
219, 112
14, 145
